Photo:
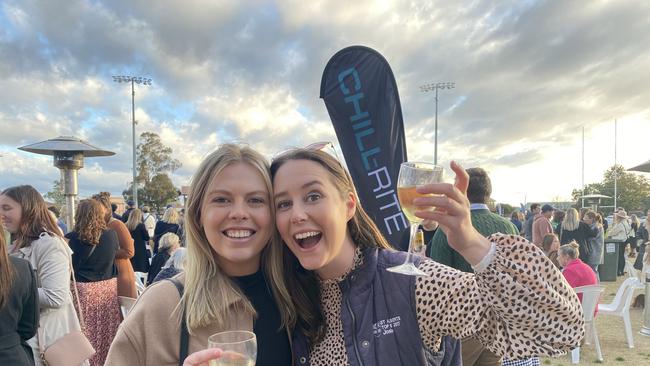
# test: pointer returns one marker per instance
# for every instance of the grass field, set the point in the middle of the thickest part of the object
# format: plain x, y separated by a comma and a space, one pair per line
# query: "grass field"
612, 338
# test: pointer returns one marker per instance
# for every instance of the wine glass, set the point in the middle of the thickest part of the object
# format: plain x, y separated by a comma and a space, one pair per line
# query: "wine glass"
411, 175
239, 348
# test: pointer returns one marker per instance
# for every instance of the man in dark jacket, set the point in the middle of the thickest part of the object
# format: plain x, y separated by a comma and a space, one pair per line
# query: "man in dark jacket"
528, 224
130, 206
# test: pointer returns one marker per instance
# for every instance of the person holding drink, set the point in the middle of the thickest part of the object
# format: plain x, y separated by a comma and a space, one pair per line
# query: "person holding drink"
353, 310
232, 280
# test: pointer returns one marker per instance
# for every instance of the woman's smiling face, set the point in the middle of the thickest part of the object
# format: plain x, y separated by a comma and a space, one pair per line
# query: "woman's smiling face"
236, 218
312, 216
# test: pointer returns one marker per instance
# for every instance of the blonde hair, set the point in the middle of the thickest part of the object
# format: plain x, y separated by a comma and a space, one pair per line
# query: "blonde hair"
571, 221
167, 241
171, 216
135, 218
177, 259
209, 290
571, 250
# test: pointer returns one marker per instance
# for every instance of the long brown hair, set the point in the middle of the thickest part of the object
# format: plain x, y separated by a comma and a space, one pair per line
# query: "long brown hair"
6, 271
104, 198
303, 284
89, 222
35, 218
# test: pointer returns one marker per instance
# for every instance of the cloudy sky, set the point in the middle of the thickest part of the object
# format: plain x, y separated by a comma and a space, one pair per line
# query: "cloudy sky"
529, 75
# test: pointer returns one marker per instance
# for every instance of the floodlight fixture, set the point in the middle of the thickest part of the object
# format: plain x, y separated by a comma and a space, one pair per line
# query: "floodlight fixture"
434, 87
133, 80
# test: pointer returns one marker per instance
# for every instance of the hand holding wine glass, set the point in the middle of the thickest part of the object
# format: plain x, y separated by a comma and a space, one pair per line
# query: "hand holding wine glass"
239, 348
412, 175
451, 211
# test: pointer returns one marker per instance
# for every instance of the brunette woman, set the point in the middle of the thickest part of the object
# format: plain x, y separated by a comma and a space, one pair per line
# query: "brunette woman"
125, 274
93, 260
37, 239
351, 310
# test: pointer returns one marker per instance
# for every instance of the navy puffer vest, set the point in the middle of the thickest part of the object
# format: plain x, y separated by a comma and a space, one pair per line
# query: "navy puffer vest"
378, 312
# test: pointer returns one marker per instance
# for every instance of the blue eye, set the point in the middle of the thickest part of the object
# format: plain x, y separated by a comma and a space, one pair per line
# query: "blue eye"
220, 200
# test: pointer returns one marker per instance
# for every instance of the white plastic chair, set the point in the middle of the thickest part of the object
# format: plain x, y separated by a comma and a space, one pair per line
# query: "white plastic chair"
139, 285
620, 306
590, 295
126, 303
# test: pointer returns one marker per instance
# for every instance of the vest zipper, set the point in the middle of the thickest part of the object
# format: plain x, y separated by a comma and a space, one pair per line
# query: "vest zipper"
354, 327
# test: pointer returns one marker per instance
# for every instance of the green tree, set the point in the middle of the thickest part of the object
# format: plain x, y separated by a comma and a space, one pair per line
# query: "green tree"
632, 193
154, 158
154, 161
56, 194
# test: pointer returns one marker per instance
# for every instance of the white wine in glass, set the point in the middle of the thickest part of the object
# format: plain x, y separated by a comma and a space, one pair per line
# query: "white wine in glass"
239, 348
412, 175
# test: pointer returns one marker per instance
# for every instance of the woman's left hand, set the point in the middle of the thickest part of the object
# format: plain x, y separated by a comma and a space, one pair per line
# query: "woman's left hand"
453, 215
201, 358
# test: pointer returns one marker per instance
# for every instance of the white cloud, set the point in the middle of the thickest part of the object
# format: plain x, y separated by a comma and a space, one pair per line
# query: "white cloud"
528, 75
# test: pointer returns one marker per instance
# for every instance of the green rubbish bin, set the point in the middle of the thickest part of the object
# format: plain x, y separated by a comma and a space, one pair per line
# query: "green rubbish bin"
608, 270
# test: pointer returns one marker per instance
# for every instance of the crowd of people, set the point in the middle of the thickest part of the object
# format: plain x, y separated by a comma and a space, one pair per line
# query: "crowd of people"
589, 230
56, 281
286, 250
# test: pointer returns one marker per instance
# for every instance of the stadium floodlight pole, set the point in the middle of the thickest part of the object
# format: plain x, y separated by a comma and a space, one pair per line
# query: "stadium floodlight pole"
133, 80
435, 87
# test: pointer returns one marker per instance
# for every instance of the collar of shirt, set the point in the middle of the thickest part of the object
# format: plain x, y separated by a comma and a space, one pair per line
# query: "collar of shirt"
478, 206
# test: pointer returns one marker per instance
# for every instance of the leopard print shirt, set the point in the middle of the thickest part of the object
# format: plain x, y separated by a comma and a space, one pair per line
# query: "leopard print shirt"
518, 306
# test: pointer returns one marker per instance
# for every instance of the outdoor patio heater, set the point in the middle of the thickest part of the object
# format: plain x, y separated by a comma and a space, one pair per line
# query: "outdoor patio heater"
69, 153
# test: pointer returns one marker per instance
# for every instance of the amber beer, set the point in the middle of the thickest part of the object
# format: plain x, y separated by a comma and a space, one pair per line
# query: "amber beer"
406, 195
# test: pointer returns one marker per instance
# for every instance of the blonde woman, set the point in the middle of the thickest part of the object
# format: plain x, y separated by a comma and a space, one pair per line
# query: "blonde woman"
233, 274
170, 223
620, 230
140, 235
572, 229
169, 243
174, 265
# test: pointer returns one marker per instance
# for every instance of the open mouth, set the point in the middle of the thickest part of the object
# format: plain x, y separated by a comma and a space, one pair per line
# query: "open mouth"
239, 233
308, 240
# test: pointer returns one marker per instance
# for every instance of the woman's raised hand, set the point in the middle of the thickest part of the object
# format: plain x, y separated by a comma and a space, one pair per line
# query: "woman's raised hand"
453, 215
201, 358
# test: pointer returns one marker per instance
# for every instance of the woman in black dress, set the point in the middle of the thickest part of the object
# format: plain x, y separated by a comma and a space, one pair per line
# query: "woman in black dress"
93, 260
574, 229
169, 224
140, 259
